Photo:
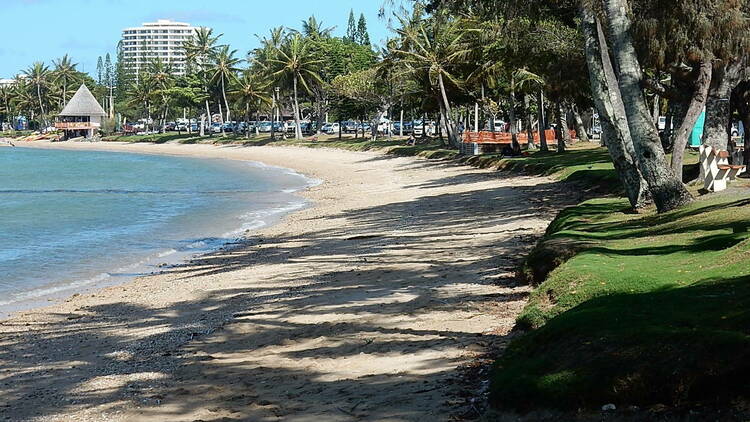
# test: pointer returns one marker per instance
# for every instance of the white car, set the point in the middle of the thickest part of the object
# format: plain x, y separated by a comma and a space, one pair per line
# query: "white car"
331, 128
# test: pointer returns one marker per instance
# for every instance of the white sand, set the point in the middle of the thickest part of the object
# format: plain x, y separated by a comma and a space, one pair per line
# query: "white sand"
362, 307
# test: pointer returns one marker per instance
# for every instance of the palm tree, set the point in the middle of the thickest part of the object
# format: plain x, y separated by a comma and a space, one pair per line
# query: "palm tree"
519, 80
294, 64
6, 93
38, 76
313, 29
224, 71
437, 47
161, 78
140, 94
64, 74
252, 92
199, 51
22, 97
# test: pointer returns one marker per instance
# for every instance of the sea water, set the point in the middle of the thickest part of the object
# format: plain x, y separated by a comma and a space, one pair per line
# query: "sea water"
75, 220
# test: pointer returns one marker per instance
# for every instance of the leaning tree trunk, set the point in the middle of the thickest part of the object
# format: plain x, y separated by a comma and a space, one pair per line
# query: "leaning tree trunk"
694, 110
208, 119
226, 103
542, 124
297, 125
611, 111
715, 131
450, 127
562, 127
666, 189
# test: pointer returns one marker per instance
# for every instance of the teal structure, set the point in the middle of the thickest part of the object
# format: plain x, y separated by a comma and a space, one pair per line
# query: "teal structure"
697, 134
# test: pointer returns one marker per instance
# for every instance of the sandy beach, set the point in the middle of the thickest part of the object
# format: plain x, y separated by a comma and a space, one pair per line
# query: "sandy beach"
370, 305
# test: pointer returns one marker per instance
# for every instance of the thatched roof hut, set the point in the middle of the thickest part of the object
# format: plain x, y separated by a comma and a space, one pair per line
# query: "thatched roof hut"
83, 103
82, 116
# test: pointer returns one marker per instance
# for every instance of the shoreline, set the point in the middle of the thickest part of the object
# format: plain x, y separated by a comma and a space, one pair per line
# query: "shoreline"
114, 274
369, 302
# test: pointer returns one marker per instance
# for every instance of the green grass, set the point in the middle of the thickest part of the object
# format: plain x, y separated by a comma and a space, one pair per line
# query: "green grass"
158, 138
642, 309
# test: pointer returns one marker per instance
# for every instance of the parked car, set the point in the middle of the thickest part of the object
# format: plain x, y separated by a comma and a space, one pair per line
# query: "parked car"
349, 126
333, 128
408, 127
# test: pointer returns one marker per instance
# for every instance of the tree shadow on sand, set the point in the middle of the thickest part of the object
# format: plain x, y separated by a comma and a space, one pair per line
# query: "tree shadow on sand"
262, 352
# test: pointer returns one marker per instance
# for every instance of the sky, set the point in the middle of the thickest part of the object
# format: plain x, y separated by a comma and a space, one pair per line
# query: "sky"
43, 30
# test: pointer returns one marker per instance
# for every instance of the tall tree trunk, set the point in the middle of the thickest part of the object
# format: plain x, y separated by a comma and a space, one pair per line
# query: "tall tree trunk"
297, 125
247, 121
527, 122
226, 103
656, 110
580, 128
694, 110
562, 127
513, 123
208, 119
715, 131
273, 117
615, 129
401, 124
450, 127
221, 117
42, 115
542, 123
666, 189
476, 116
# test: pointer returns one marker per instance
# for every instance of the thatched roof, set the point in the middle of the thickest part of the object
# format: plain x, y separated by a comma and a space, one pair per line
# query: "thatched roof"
83, 103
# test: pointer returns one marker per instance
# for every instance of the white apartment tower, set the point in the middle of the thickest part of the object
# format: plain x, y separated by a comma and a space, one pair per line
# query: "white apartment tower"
163, 38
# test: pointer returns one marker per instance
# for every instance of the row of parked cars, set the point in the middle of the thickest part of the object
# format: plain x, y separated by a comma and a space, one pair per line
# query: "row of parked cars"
415, 127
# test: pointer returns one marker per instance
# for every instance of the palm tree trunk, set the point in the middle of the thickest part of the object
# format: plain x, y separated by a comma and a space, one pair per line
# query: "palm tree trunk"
247, 121
401, 124
512, 111
666, 189
221, 118
452, 138
41, 106
226, 104
297, 126
542, 124
562, 127
208, 119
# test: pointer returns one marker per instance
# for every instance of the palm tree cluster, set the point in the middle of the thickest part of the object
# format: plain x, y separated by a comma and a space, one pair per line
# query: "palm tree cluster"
40, 91
467, 64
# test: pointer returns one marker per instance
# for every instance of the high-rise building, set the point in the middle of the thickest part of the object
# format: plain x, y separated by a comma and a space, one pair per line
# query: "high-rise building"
163, 38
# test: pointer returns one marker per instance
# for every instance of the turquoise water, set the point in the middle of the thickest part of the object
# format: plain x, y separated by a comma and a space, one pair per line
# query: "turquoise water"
76, 219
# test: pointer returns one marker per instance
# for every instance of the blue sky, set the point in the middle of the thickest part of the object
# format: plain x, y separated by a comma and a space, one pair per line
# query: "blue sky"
34, 30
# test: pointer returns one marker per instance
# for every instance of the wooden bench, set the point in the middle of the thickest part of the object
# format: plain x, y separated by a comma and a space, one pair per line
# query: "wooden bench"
484, 142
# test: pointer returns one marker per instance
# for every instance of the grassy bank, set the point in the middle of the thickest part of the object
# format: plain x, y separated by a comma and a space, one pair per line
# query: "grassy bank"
645, 309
